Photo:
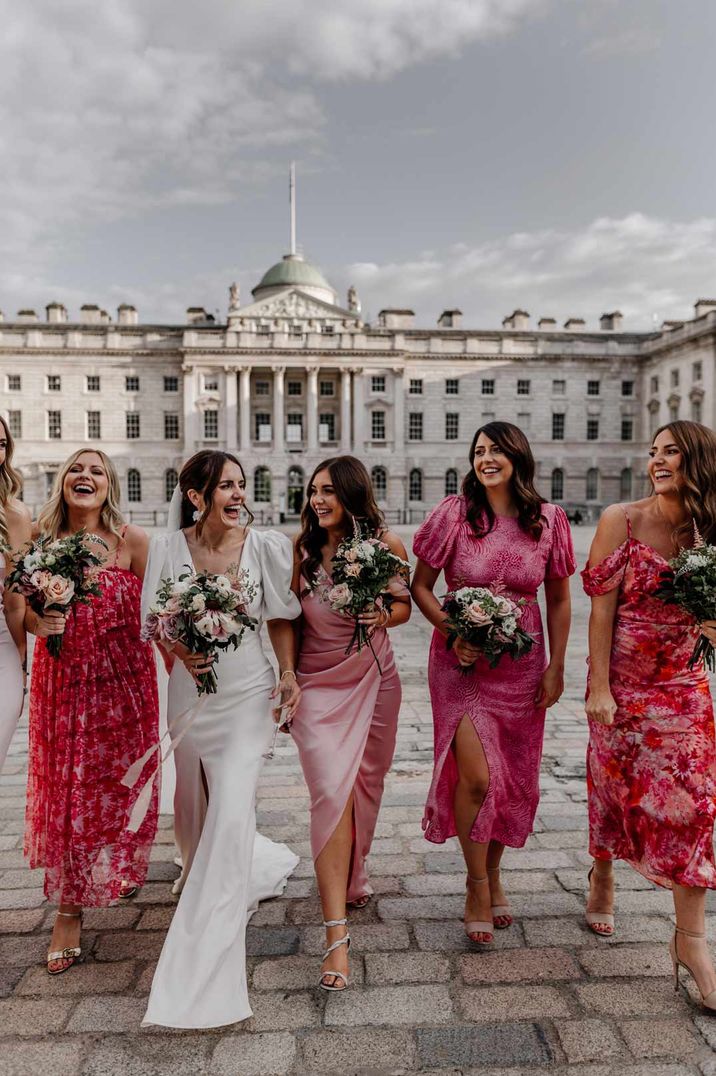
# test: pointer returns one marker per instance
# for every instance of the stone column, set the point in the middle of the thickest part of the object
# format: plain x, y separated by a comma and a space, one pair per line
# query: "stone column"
245, 408
358, 412
312, 409
230, 415
191, 417
278, 411
398, 410
345, 411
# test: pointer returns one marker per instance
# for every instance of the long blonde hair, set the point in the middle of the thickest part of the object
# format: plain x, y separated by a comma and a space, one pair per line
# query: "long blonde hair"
10, 484
53, 517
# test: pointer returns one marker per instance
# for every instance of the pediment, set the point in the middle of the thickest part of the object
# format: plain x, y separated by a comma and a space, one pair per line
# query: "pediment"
292, 306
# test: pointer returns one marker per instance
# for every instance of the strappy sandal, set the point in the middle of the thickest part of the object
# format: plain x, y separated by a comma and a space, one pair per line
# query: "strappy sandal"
345, 940
708, 1001
500, 911
73, 954
476, 926
128, 890
361, 902
605, 920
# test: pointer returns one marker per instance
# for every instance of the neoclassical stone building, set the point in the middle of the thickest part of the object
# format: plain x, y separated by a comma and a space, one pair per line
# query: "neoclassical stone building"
295, 376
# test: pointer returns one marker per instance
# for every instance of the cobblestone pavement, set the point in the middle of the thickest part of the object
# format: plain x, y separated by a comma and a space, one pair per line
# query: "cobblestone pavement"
549, 996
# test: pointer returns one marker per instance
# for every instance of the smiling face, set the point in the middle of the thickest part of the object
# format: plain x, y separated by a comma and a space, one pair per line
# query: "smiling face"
492, 466
86, 484
665, 464
227, 499
324, 501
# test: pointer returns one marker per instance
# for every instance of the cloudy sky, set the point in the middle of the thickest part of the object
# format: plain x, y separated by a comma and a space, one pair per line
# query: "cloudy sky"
556, 155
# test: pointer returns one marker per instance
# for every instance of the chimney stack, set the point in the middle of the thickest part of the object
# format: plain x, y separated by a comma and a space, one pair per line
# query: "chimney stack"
56, 312
90, 314
574, 324
450, 319
127, 314
704, 306
26, 317
518, 319
547, 324
611, 322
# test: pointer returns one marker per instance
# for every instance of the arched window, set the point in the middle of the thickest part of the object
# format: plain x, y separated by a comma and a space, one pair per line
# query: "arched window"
592, 486
625, 484
134, 485
415, 485
379, 478
170, 480
262, 485
557, 484
294, 492
450, 482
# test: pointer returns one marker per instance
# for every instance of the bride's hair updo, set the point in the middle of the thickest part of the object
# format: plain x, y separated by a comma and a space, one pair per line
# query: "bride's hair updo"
203, 473
697, 445
516, 447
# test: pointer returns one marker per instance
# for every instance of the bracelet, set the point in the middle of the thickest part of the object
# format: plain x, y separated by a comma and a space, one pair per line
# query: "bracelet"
287, 672
384, 618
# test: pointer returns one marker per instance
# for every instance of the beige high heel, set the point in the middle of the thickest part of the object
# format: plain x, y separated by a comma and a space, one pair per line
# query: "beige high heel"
475, 926
500, 911
73, 954
708, 1001
599, 919
345, 940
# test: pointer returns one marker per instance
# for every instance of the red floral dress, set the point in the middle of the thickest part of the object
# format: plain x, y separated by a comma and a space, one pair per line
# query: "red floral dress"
651, 776
93, 711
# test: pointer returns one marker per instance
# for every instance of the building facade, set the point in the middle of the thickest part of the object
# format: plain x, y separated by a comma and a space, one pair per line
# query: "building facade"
295, 376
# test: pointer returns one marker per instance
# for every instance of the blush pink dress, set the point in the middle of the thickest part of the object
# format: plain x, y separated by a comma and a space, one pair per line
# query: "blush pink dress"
499, 702
345, 728
651, 776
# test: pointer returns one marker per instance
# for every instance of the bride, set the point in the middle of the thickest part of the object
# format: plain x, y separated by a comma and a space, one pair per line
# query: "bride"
200, 980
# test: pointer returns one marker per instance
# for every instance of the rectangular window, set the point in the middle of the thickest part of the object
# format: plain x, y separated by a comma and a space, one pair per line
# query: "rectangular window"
377, 383
326, 388
14, 421
523, 387
696, 411
627, 388
132, 424
210, 383
592, 429
627, 429
558, 427
697, 371
131, 383
93, 382
294, 388
377, 425
297, 330
171, 383
262, 427
294, 429
262, 388
54, 382
674, 379
488, 386
654, 385
415, 426
14, 382
452, 426
524, 421
211, 425
452, 386
328, 330
326, 428
416, 386
559, 387
171, 426
593, 388
263, 330
94, 426
54, 425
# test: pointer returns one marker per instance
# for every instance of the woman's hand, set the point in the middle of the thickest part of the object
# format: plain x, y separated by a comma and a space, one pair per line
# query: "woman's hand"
289, 694
373, 617
600, 706
708, 628
195, 664
550, 689
50, 623
465, 653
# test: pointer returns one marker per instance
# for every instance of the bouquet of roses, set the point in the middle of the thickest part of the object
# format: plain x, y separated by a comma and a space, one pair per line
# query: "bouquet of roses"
690, 583
488, 620
55, 574
362, 569
205, 612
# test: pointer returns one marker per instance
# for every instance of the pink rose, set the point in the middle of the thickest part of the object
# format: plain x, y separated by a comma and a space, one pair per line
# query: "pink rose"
39, 579
354, 570
351, 555
58, 590
169, 628
477, 615
339, 596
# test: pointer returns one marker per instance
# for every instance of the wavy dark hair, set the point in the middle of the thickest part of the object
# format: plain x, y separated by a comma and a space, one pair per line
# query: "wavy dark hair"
516, 447
697, 444
354, 490
202, 472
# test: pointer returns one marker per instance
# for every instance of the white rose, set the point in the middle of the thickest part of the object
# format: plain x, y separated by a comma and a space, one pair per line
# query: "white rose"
508, 625
339, 596
367, 550
198, 603
181, 586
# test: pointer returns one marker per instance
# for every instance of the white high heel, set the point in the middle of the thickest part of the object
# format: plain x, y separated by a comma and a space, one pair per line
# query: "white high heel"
345, 940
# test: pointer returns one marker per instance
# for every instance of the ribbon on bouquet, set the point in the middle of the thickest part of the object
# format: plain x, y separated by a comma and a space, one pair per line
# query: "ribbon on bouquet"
131, 777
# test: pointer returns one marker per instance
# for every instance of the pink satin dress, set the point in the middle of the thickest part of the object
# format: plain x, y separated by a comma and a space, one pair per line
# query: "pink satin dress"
345, 729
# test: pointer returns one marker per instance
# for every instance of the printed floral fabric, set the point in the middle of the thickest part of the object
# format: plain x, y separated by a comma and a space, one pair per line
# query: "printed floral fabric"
93, 711
652, 774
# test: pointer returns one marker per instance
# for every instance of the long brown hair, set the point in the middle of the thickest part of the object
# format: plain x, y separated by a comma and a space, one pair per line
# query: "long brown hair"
53, 519
516, 447
202, 472
354, 490
697, 444
10, 483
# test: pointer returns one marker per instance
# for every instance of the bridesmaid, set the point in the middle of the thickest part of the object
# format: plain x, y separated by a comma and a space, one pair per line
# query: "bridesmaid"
489, 725
651, 763
346, 723
15, 532
93, 710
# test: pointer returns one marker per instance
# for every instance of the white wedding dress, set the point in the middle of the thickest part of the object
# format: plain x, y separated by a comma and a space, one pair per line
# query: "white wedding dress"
228, 868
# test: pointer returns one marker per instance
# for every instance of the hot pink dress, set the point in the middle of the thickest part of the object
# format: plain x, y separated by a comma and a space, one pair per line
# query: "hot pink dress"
651, 776
499, 701
345, 728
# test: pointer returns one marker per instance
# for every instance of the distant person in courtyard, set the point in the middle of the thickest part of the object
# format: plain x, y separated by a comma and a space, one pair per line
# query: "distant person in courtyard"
93, 710
489, 724
15, 532
651, 762
346, 724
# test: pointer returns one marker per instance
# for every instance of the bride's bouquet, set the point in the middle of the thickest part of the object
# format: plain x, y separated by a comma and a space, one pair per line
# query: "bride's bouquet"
362, 569
488, 620
690, 583
55, 574
205, 612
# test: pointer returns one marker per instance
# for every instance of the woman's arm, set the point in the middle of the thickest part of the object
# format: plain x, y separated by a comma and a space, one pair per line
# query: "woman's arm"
137, 542
600, 705
19, 526
283, 641
559, 618
400, 606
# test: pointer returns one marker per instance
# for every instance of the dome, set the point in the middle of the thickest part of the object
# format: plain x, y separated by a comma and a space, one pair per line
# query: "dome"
293, 272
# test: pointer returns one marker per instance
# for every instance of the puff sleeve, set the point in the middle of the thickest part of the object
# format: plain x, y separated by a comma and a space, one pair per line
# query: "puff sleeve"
608, 574
157, 568
435, 538
561, 562
276, 559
